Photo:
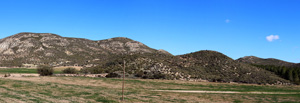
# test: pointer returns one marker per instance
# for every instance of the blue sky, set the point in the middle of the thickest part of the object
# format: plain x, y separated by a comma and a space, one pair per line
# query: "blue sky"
236, 28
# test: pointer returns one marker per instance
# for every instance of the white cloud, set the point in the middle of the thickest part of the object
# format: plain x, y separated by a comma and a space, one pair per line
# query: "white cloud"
271, 38
227, 20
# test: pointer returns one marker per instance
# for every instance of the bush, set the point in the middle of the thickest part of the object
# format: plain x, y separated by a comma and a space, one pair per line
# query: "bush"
70, 71
113, 75
140, 73
84, 70
117, 74
97, 70
44, 70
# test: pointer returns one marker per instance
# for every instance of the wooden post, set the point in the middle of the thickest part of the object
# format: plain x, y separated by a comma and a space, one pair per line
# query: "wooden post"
123, 81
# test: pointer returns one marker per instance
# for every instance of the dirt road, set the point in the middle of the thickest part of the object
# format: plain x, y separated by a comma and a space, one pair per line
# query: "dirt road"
222, 92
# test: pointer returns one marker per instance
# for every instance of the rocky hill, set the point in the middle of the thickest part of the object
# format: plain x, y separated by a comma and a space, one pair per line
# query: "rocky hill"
52, 49
199, 66
215, 66
106, 56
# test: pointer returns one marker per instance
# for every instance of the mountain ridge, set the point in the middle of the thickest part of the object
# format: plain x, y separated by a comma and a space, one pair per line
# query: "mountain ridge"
22, 45
265, 61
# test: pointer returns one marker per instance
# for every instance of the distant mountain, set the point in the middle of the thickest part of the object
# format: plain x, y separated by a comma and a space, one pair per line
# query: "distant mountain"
261, 61
106, 56
286, 70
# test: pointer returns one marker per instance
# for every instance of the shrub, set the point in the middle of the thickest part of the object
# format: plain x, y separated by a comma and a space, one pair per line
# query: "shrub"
44, 70
160, 76
140, 73
70, 71
97, 70
117, 74
113, 75
84, 70
7, 75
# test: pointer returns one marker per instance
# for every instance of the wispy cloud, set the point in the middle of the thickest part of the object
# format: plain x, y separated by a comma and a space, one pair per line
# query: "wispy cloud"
271, 38
227, 21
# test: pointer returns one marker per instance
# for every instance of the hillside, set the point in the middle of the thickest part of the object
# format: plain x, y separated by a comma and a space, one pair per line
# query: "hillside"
286, 70
202, 65
215, 66
52, 49
106, 56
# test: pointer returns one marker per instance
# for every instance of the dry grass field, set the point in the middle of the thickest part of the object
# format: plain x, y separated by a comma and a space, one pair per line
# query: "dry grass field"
108, 90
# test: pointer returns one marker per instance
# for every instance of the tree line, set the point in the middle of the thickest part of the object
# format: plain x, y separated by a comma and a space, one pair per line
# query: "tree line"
289, 73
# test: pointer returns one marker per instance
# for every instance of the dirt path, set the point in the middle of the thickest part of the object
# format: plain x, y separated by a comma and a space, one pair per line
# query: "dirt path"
19, 75
223, 92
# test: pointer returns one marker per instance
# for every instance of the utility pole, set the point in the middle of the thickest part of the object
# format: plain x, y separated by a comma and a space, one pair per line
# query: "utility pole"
123, 81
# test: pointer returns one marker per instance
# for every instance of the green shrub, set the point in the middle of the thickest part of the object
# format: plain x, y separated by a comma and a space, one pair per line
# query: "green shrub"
44, 70
114, 75
97, 70
70, 71
84, 70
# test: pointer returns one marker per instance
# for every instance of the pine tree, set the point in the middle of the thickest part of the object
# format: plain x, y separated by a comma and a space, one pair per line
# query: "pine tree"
290, 75
283, 73
296, 77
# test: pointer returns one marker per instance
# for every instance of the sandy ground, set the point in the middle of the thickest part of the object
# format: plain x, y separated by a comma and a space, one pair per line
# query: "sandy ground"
221, 92
40, 79
64, 67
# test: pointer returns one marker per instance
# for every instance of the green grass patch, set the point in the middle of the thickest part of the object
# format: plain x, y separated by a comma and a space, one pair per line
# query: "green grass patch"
105, 100
17, 70
16, 85
22, 70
